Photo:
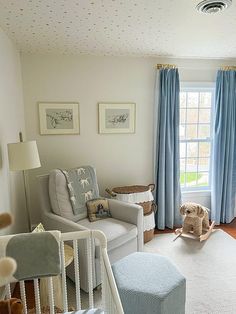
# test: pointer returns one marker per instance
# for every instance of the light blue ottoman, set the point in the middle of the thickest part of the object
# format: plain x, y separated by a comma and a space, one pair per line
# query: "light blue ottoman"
149, 283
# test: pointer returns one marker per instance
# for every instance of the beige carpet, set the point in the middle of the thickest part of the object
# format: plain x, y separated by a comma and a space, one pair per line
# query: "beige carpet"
209, 267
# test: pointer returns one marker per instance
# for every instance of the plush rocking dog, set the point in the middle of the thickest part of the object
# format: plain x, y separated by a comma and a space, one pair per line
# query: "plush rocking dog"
196, 221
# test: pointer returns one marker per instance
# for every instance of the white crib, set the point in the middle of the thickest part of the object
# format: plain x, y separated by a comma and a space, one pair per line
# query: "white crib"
110, 299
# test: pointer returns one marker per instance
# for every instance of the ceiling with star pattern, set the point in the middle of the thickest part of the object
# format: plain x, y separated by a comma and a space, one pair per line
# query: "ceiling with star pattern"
171, 28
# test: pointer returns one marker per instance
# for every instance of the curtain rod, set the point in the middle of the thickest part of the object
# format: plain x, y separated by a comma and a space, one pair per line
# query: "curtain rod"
166, 66
173, 66
228, 67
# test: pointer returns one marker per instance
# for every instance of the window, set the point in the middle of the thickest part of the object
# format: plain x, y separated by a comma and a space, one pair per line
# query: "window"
195, 137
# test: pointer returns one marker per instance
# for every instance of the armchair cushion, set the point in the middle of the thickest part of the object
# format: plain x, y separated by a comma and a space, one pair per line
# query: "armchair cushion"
116, 231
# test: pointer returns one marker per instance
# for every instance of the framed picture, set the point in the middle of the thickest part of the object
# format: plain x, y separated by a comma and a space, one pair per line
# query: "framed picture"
59, 118
116, 118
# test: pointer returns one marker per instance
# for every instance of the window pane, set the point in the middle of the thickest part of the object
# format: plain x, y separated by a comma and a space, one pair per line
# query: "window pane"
203, 179
203, 131
204, 149
195, 137
182, 100
182, 132
182, 178
191, 165
192, 100
203, 164
204, 115
205, 99
182, 150
182, 115
182, 164
192, 116
192, 149
191, 179
191, 131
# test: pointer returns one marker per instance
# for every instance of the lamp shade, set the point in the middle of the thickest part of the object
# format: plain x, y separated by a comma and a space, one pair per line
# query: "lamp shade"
23, 155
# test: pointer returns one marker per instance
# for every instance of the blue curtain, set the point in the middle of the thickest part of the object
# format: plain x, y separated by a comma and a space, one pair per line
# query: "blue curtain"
167, 164
224, 148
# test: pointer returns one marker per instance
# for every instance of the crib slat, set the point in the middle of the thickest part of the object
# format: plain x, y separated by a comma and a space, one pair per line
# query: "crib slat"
103, 280
23, 296
90, 271
63, 278
37, 297
113, 301
50, 294
8, 291
77, 275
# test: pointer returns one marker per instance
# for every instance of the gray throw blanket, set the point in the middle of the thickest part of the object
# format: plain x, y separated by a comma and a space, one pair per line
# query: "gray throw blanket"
82, 186
37, 254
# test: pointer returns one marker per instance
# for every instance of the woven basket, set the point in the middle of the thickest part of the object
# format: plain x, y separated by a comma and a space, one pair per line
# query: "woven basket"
133, 189
148, 235
147, 206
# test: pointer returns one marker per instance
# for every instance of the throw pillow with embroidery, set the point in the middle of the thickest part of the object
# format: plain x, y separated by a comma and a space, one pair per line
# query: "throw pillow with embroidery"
98, 208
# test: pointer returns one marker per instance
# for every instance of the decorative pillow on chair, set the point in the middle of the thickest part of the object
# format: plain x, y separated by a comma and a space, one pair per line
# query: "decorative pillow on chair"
98, 208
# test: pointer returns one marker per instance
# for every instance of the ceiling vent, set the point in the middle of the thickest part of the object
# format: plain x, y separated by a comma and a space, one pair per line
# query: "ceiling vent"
213, 6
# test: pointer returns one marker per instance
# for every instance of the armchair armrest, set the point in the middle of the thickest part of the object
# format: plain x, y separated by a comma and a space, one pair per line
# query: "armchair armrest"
54, 222
130, 213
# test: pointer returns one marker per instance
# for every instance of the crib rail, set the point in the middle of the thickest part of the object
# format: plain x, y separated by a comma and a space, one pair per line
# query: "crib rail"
111, 303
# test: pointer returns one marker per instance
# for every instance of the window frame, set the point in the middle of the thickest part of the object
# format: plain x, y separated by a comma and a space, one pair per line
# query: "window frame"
199, 87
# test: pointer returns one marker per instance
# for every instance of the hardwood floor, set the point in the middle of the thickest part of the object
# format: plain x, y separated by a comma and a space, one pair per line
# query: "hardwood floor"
229, 228
29, 291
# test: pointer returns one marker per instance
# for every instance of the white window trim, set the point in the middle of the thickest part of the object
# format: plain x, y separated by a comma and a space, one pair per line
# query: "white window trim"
191, 86
197, 85
197, 193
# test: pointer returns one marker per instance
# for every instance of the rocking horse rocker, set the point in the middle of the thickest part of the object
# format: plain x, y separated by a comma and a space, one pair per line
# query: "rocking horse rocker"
196, 222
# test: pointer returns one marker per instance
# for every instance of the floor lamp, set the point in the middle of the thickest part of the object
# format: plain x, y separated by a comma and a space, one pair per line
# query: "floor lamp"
24, 156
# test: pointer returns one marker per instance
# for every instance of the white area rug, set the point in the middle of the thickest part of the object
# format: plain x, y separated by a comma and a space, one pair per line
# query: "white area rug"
209, 268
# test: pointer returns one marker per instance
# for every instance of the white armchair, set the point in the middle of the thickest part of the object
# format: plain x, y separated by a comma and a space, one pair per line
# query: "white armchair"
124, 231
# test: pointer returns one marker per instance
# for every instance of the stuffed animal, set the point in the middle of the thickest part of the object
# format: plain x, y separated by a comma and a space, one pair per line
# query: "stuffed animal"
11, 306
196, 218
7, 269
7, 264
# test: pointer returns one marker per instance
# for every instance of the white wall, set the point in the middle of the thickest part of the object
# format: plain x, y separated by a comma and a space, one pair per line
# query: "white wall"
11, 122
120, 159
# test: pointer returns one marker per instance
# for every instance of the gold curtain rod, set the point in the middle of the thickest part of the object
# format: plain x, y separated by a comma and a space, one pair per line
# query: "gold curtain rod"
166, 66
228, 68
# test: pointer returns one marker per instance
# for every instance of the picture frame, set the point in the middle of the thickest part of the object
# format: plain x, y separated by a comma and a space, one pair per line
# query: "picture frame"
58, 118
116, 118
